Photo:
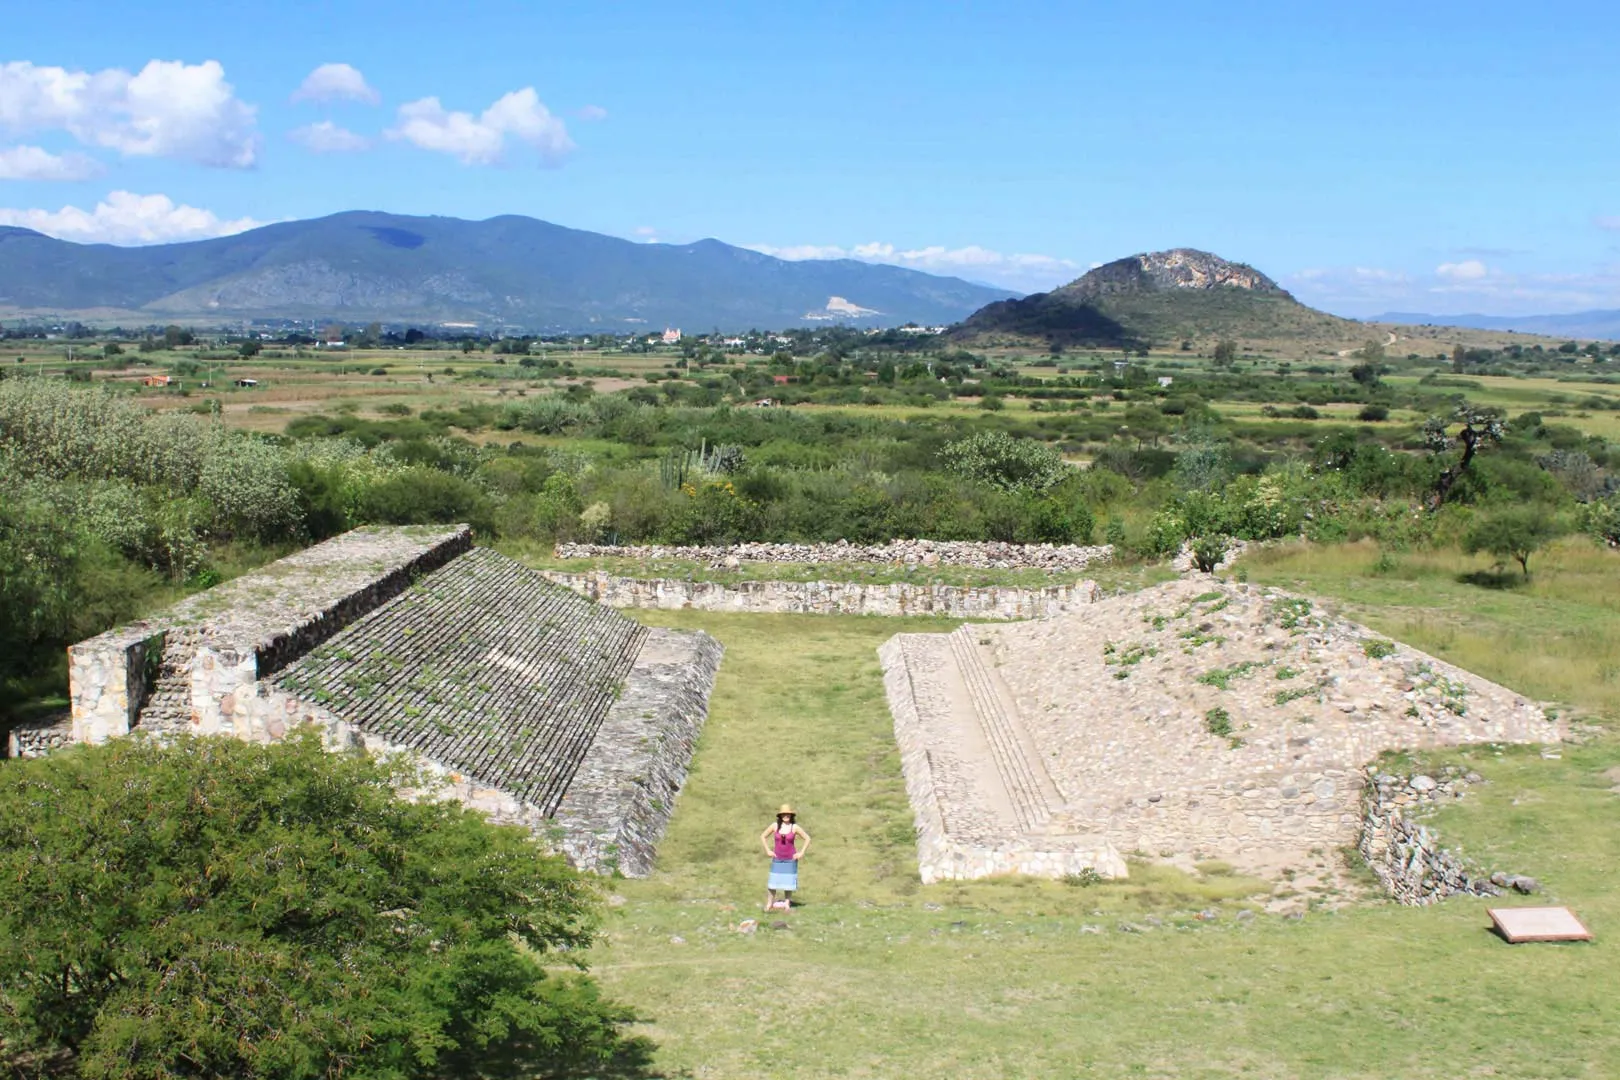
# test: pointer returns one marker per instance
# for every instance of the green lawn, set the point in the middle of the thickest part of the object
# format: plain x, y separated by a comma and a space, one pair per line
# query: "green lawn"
879, 976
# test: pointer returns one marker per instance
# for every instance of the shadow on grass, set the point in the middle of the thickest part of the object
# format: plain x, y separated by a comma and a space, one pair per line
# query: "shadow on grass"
1493, 579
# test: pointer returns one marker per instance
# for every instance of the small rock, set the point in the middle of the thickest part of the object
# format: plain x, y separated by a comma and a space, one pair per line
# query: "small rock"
1423, 783
1500, 880
1526, 885
1207, 915
676, 939
1474, 778
1091, 929
748, 926
1129, 928
615, 900
1244, 916
780, 925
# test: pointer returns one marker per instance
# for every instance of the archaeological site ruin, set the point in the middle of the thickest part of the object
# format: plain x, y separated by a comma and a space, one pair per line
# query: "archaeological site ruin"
526, 700
1196, 719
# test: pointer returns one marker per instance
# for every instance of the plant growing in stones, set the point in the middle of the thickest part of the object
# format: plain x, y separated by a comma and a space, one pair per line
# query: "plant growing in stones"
1209, 550
1294, 693
1292, 613
1085, 878
1218, 722
1285, 673
1378, 649
1221, 678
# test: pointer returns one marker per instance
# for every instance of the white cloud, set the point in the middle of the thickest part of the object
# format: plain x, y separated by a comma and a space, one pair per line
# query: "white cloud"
1364, 291
336, 82
328, 138
126, 218
1026, 273
33, 163
1467, 270
168, 109
593, 112
481, 140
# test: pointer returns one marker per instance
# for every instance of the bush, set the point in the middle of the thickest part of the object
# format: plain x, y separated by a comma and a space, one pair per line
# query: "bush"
424, 496
1373, 414
279, 911
1208, 551
1005, 462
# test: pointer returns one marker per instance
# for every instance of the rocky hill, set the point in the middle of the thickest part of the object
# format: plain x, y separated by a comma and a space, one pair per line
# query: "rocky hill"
1158, 298
506, 271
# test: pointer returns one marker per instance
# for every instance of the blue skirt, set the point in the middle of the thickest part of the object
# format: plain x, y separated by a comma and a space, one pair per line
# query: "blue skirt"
784, 875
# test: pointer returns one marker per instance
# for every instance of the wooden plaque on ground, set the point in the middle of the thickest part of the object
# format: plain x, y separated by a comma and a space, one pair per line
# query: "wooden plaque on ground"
1518, 924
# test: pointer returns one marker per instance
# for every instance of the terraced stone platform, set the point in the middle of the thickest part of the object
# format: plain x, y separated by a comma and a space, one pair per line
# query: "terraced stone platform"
1192, 720
522, 698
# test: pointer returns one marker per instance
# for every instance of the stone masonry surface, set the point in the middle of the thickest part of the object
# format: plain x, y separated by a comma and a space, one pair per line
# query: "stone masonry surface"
483, 667
1406, 855
1195, 718
622, 797
250, 625
984, 555
830, 598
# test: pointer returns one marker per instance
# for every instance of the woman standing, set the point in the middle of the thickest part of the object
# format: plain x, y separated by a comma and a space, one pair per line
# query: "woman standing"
781, 841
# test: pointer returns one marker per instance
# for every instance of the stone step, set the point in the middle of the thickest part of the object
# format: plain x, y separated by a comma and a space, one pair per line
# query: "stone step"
1029, 788
167, 708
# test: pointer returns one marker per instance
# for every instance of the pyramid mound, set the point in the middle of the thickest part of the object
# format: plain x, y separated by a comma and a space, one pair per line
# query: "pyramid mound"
1195, 717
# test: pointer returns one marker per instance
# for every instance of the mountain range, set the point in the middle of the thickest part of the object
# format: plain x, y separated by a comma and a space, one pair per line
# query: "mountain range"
1604, 325
507, 271
1158, 298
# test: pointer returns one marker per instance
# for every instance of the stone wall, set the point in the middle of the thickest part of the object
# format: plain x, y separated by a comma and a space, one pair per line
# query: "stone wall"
622, 797
971, 553
108, 680
39, 737
1234, 820
1406, 855
830, 598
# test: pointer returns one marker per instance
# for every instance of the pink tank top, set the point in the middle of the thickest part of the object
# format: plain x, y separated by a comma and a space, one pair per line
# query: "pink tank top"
784, 844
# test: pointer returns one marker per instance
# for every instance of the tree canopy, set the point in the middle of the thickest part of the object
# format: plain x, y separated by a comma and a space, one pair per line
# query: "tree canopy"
214, 908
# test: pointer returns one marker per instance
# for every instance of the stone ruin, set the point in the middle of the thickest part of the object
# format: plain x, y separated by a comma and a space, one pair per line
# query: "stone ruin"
522, 698
1192, 720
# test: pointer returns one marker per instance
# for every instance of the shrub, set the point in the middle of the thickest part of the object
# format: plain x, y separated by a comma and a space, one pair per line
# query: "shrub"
1005, 462
1208, 551
423, 496
1378, 649
1373, 414
279, 911
1218, 722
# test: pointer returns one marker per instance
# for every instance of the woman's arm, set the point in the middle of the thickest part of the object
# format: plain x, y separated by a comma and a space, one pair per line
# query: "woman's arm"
765, 840
797, 832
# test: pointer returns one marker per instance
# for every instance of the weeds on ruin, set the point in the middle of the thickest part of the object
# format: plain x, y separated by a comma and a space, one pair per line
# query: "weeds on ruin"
1221, 678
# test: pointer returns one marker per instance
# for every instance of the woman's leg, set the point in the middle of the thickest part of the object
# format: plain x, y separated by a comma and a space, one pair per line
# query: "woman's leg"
770, 899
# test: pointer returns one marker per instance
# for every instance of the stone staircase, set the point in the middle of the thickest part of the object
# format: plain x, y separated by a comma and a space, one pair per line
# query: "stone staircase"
167, 708
1029, 788
483, 667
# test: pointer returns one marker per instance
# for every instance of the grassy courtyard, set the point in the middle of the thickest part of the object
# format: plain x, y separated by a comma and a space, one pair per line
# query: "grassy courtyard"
879, 976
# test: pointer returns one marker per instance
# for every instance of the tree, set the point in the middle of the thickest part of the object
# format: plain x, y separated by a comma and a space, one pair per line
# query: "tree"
176, 336
1513, 534
214, 908
249, 349
1225, 353
1481, 427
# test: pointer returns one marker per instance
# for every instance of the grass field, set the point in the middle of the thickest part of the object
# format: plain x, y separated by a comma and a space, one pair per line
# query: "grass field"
879, 976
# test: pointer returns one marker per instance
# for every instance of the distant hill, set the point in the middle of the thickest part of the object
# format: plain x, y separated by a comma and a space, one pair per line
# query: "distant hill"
1159, 298
1603, 325
512, 271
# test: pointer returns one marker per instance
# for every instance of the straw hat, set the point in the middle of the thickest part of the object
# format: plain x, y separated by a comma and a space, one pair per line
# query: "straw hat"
785, 810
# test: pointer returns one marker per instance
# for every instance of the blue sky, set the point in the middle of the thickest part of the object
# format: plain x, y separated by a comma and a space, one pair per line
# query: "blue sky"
1437, 156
